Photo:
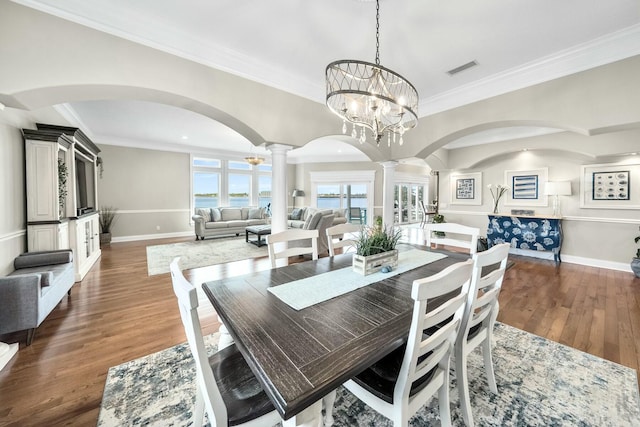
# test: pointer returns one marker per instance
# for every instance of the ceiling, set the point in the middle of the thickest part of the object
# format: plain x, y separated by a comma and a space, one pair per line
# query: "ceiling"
288, 43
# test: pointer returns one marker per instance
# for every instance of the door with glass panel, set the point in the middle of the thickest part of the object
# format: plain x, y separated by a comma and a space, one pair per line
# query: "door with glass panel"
406, 205
353, 198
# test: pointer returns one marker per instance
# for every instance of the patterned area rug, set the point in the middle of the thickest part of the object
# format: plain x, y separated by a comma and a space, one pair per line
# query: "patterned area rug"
201, 253
540, 383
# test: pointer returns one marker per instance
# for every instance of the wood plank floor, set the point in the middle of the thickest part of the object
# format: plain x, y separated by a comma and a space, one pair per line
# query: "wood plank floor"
118, 313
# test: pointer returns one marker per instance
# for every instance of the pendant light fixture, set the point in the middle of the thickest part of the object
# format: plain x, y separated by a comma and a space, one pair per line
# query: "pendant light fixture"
370, 96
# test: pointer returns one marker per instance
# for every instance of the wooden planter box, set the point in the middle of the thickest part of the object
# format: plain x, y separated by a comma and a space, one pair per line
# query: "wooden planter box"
370, 264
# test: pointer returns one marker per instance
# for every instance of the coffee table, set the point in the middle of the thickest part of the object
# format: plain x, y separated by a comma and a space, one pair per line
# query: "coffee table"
258, 230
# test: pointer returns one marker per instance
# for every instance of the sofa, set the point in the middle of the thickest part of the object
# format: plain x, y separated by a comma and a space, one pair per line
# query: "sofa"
317, 219
298, 216
38, 283
211, 222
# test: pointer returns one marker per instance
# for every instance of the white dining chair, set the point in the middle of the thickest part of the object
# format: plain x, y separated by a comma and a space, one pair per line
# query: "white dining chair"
481, 312
342, 236
283, 238
226, 388
459, 235
401, 383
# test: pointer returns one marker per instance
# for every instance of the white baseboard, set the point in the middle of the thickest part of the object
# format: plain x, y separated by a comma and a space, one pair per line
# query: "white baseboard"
153, 236
572, 259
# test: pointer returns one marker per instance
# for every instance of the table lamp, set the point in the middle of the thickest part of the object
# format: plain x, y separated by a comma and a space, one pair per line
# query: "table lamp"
555, 189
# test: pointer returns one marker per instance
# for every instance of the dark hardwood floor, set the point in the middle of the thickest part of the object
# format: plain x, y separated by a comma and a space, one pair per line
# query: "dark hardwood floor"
118, 313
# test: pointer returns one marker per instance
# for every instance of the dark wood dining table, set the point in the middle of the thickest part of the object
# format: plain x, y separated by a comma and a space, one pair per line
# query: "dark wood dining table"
301, 356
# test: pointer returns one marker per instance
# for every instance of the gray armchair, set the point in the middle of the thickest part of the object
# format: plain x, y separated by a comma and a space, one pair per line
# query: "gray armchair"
34, 289
320, 221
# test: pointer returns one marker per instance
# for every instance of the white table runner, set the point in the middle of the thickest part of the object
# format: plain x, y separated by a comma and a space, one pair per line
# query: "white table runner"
306, 292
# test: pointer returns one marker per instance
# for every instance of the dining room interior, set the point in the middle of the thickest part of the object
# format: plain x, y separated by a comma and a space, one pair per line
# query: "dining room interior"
531, 146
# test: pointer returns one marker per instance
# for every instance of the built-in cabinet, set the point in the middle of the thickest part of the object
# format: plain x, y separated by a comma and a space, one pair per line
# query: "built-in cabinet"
62, 196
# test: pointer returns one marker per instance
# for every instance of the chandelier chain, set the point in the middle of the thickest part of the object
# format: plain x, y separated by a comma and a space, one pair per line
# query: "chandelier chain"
377, 32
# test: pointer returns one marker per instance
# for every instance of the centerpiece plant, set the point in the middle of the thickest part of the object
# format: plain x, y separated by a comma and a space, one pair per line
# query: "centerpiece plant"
376, 248
377, 239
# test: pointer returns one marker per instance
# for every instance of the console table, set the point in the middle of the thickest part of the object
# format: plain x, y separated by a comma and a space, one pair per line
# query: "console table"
537, 233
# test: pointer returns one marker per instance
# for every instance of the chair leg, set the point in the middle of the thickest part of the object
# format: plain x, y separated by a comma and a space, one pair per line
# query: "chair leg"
443, 400
488, 363
462, 381
198, 411
30, 333
328, 402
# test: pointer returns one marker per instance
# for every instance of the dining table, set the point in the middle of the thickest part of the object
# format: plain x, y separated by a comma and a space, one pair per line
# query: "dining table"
299, 355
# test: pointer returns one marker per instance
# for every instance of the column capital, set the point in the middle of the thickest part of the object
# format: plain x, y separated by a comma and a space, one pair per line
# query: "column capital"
276, 148
389, 164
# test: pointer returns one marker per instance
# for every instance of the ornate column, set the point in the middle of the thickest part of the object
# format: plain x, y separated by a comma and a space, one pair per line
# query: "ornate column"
278, 186
389, 174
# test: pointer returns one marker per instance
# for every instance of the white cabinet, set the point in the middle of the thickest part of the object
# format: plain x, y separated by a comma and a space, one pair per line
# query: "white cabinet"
85, 235
62, 207
44, 237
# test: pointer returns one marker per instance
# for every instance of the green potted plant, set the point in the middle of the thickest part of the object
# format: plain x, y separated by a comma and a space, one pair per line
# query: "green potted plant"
635, 262
106, 219
438, 219
63, 173
376, 248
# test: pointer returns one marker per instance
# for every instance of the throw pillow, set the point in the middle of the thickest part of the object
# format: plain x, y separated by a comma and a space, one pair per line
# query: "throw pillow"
215, 214
295, 214
255, 213
312, 222
204, 213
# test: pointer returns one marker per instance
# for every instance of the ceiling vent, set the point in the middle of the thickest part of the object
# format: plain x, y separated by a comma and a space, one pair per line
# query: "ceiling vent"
462, 68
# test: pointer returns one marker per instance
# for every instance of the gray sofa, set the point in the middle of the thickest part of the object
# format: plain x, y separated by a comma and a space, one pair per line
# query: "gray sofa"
34, 289
298, 216
210, 222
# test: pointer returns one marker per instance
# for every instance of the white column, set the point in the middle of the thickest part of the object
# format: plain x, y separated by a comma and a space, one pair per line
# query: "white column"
389, 180
278, 186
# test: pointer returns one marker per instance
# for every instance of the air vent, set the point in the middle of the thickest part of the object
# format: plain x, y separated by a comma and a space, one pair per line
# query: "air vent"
462, 68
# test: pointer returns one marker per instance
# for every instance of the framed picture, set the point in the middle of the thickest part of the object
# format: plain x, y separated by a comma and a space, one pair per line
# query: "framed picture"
526, 188
466, 189
610, 186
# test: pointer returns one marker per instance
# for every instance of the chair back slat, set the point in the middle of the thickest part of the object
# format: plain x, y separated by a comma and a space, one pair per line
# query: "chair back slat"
454, 279
278, 244
470, 235
346, 232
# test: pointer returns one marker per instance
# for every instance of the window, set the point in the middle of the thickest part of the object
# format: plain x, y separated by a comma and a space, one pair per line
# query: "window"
217, 182
239, 189
206, 182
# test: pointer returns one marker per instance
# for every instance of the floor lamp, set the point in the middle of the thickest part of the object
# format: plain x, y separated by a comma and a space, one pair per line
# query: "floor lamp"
556, 189
296, 193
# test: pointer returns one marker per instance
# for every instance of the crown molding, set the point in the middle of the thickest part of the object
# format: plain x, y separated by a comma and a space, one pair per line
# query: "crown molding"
606, 49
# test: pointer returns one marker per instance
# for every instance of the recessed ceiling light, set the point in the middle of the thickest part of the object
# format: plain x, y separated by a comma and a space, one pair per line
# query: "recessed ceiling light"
185, 137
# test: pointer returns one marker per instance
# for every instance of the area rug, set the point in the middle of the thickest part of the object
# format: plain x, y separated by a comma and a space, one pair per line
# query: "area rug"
540, 383
201, 253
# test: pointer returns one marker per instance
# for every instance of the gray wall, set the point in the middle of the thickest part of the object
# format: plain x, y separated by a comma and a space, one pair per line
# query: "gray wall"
149, 188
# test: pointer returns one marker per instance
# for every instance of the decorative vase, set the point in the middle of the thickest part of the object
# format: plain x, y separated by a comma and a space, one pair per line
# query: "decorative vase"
366, 265
635, 266
495, 207
105, 239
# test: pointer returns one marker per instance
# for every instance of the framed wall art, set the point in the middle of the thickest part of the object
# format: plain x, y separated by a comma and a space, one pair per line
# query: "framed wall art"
610, 186
526, 187
466, 188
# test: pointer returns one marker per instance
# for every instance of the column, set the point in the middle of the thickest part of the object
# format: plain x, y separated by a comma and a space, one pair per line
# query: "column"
389, 180
278, 186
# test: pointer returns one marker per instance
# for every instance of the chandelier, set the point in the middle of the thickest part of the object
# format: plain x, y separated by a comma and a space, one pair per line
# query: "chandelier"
254, 160
370, 96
